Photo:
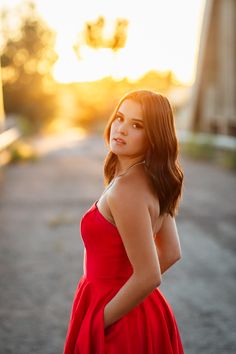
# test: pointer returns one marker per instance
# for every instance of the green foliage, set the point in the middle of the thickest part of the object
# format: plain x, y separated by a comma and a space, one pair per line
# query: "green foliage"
227, 159
25, 126
204, 149
21, 151
27, 60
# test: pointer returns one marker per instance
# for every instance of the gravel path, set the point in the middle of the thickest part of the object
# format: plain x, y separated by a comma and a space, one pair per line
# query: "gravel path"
41, 250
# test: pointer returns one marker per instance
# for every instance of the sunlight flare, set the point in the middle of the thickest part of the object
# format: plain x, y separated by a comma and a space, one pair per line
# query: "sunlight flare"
162, 36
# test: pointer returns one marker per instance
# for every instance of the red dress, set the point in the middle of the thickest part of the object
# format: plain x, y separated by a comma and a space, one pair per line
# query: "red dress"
149, 328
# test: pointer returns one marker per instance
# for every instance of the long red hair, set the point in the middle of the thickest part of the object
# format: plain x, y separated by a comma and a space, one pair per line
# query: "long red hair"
161, 158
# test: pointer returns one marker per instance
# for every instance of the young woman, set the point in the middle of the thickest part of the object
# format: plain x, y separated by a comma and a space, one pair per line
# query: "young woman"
130, 237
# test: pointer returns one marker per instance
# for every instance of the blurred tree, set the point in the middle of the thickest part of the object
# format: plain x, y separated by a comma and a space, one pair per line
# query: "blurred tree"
93, 35
118, 40
28, 57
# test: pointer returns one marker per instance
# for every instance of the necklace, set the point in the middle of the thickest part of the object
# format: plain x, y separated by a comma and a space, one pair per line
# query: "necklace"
122, 174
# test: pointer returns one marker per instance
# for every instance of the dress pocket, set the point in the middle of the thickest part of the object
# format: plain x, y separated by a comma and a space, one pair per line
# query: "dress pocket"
113, 329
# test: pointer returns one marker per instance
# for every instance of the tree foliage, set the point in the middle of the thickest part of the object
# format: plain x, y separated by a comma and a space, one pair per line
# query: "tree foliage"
27, 59
94, 37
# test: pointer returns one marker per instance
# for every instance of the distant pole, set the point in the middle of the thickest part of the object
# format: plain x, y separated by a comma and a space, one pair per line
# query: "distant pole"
213, 104
195, 115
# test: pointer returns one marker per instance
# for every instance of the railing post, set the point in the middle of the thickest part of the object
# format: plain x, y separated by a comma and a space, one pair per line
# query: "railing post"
2, 115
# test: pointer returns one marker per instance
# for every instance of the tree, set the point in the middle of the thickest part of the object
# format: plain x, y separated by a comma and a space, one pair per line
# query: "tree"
93, 35
28, 57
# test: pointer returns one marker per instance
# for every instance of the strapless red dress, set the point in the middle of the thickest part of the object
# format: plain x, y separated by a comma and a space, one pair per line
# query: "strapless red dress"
149, 328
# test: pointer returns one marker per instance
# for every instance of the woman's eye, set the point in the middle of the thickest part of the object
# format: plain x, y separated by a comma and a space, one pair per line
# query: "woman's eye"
136, 125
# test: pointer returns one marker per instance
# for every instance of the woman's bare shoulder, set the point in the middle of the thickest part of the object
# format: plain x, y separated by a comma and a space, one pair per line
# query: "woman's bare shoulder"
131, 187
132, 194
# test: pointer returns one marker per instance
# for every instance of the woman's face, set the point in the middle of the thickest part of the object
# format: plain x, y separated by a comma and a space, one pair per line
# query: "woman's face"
127, 134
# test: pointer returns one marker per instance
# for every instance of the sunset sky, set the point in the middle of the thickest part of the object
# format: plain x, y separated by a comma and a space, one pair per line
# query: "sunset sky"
162, 35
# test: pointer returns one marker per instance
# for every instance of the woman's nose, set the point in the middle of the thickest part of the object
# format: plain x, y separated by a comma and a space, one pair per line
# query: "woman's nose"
122, 128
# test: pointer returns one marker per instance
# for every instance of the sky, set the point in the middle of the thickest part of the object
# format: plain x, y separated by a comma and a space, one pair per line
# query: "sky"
162, 35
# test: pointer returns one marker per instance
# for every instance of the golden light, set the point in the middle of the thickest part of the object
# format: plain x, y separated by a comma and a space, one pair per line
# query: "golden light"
93, 65
162, 35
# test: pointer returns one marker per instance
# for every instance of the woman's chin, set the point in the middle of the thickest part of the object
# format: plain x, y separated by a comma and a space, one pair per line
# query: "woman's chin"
117, 149
116, 152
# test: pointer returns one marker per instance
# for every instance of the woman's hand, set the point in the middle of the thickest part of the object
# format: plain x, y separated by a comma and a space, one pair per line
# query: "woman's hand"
106, 319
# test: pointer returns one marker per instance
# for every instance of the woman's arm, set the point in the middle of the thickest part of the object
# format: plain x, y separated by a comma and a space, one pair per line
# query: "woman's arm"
168, 244
132, 218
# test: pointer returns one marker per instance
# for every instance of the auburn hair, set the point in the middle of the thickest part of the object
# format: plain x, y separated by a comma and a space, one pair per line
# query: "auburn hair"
161, 159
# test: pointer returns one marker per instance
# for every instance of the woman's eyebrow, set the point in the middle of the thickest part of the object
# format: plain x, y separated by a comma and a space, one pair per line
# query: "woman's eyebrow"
139, 120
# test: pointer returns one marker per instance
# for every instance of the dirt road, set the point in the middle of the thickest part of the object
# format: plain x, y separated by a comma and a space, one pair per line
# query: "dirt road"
41, 251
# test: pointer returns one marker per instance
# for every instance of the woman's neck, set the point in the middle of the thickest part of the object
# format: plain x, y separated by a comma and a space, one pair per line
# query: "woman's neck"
124, 165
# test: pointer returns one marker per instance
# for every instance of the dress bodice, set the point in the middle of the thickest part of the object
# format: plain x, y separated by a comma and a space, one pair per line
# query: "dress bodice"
104, 255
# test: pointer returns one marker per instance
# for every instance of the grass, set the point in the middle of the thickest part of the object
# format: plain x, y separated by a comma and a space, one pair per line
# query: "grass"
21, 151
204, 149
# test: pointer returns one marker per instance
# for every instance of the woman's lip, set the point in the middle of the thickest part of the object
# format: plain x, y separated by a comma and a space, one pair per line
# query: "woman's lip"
118, 140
